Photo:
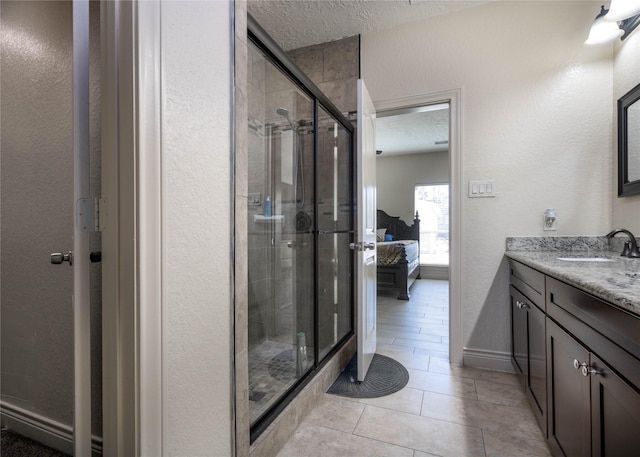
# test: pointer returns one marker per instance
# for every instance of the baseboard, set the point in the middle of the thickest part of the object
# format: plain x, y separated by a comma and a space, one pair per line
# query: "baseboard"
434, 272
42, 429
490, 360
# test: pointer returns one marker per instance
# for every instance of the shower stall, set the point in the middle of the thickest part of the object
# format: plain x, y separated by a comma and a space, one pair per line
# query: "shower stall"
300, 224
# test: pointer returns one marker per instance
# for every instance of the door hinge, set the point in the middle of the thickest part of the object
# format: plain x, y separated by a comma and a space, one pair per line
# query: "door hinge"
91, 214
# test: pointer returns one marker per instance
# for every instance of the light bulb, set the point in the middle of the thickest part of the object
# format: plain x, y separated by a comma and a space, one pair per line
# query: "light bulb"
603, 32
622, 9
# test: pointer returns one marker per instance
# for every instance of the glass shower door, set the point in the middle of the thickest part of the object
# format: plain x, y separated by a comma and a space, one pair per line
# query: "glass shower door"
335, 232
300, 226
280, 234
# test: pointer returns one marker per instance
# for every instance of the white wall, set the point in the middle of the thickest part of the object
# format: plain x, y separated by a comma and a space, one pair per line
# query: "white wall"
536, 118
626, 76
196, 164
397, 177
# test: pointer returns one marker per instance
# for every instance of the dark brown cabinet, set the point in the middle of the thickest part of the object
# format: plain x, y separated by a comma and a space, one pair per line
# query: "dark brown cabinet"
528, 335
615, 413
583, 374
600, 342
528, 350
592, 410
569, 428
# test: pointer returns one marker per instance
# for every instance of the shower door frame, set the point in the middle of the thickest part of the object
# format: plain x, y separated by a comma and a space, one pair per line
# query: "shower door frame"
258, 36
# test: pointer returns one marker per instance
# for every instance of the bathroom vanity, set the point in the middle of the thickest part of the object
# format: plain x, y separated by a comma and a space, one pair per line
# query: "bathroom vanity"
576, 343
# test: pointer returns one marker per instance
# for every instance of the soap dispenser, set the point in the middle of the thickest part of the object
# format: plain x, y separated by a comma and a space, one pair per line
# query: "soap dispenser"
267, 207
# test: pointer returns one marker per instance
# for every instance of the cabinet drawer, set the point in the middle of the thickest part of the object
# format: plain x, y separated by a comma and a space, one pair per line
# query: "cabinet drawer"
528, 281
611, 333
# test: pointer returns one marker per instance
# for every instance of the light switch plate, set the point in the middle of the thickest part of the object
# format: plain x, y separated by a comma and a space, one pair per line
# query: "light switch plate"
482, 189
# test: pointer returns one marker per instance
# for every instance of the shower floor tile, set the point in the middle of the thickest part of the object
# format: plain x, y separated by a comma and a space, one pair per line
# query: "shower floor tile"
272, 371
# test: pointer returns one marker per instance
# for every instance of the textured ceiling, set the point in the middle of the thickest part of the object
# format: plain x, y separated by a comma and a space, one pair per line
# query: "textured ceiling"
295, 24
298, 23
413, 133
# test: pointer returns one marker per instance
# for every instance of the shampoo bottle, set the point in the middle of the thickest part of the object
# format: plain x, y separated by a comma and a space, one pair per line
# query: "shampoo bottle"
267, 207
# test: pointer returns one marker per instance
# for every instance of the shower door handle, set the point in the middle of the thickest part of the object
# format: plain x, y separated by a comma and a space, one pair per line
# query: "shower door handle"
57, 258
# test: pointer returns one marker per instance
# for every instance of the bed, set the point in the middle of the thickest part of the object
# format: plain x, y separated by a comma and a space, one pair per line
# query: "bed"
398, 261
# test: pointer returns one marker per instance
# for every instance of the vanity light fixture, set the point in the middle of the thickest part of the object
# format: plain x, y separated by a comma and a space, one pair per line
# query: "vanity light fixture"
619, 20
602, 31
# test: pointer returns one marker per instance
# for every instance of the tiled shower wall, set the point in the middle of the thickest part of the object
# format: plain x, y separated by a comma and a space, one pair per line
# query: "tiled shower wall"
334, 67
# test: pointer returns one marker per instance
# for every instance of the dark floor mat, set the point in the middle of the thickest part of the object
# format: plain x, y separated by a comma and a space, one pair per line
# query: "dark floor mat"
385, 376
14, 445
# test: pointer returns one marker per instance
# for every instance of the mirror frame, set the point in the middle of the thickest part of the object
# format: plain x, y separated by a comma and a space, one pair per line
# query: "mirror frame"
626, 187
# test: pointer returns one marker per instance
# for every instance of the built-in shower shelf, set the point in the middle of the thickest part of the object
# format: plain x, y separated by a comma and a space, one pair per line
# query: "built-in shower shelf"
261, 218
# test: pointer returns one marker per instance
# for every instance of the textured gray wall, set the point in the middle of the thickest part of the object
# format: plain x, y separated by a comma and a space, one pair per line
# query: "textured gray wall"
335, 68
37, 209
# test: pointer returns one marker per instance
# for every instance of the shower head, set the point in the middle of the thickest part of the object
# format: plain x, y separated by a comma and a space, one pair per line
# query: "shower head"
285, 113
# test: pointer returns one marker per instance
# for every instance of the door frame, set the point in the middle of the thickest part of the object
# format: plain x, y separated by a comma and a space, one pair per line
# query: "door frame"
131, 242
456, 202
118, 258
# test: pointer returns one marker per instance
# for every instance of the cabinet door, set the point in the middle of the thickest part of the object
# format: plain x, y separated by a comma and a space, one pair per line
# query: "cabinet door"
569, 424
616, 413
537, 368
518, 331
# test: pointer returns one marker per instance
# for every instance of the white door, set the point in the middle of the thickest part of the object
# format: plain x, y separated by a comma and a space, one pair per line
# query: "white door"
46, 370
366, 231
83, 225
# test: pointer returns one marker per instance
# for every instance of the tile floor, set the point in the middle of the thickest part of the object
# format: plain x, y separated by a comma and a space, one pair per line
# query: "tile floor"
443, 410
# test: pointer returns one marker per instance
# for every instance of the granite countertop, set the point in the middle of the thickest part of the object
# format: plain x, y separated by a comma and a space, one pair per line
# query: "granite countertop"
617, 282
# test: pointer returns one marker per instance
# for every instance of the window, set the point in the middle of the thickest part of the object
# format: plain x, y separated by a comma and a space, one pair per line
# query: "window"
432, 205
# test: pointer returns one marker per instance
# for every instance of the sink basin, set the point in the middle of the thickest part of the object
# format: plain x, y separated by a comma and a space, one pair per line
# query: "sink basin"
585, 259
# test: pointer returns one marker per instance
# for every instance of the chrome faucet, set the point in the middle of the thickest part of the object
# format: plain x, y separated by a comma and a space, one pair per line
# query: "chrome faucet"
630, 247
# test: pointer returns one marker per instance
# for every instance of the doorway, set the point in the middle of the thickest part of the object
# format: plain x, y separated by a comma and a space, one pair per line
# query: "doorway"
40, 296
451, 99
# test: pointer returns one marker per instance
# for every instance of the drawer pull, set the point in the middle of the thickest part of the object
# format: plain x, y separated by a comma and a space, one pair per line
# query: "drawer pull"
522, 305
577, 365
587, 370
